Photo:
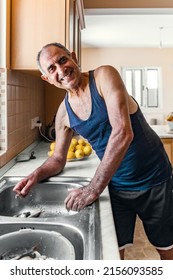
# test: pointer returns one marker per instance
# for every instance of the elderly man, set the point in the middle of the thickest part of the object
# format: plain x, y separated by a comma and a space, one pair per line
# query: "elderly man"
134, 164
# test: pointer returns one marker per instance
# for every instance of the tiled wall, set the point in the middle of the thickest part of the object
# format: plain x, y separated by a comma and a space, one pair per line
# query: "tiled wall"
2, 110
25, 100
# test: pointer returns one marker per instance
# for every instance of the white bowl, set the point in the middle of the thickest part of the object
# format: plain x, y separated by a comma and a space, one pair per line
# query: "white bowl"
170, 125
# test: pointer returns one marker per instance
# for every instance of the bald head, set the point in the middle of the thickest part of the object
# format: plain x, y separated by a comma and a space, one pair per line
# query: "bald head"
58, 45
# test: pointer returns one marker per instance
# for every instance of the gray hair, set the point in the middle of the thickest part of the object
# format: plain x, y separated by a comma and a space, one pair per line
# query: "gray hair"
58, 45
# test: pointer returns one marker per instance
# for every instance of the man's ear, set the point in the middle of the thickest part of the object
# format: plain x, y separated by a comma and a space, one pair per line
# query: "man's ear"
45, 78
73, 55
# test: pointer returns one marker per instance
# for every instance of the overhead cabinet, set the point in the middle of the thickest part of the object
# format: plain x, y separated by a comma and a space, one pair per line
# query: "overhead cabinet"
35, 23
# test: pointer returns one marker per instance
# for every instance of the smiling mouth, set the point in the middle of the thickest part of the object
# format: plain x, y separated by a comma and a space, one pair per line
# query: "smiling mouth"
67, 75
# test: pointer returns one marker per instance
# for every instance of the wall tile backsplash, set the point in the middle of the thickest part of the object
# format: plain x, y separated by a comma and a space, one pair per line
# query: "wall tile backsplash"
2, 110
24, 99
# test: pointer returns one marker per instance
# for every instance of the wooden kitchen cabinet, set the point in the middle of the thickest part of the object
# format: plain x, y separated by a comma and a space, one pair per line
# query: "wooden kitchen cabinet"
168, 145
35, 23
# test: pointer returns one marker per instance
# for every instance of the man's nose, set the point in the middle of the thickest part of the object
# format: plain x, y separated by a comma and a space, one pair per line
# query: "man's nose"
59, 67
59, 71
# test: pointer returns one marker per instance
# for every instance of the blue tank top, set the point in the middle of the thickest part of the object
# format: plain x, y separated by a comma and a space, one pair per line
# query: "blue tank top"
145, 164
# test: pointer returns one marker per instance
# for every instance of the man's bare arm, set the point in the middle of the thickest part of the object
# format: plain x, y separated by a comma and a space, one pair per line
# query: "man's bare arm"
116, 98
54, 164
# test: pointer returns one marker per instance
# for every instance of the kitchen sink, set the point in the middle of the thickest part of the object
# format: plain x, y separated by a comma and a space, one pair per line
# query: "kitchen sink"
73, 235
45, 210
46, 199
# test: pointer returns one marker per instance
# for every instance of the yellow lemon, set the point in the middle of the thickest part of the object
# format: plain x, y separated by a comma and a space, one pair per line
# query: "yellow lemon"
79, 154
50, 153
88, 144
81, 141
52, 146
74, 141
72, 147
87, 150
79, 147
70, 155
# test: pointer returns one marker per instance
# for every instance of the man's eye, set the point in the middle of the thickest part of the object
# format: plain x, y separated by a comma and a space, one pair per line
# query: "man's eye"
51, 69
62, 60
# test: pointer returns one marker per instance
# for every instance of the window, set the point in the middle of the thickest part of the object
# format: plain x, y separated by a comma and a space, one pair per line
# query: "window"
144, 85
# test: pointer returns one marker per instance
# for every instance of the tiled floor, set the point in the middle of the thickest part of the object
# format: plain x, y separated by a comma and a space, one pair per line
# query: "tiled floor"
141, 249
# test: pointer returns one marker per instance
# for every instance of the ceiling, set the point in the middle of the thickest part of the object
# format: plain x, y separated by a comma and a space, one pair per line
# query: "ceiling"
126, 28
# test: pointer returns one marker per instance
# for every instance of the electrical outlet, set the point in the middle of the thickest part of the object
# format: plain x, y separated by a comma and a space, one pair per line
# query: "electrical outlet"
34, 122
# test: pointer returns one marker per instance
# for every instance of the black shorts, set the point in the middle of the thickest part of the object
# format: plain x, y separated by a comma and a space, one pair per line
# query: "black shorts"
154, 207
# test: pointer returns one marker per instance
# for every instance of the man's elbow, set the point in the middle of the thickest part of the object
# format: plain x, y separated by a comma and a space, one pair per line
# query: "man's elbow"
129, 136
58, 163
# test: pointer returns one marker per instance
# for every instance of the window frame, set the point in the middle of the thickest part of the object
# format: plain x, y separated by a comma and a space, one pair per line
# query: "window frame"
144, 70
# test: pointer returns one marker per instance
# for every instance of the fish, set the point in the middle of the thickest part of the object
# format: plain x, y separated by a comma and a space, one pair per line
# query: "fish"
30, 214
23, 215
36, 213
19, 253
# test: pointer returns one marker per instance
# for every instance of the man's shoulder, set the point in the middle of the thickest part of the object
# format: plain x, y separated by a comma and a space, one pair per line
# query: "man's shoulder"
104, 69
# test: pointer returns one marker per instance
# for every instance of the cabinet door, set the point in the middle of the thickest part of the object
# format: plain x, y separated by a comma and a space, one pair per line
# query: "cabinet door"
34, 24
168, 145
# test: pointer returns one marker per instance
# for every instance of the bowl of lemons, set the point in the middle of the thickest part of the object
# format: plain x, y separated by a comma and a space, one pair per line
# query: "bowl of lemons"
169, 120
79, 149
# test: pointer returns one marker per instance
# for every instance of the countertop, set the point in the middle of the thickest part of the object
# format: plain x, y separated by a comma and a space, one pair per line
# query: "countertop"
85, 168
163, 131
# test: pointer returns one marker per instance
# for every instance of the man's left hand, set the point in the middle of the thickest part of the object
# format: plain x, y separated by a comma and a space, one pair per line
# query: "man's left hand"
79, 198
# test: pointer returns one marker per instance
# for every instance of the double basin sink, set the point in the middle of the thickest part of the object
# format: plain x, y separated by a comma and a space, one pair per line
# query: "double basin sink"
43, 209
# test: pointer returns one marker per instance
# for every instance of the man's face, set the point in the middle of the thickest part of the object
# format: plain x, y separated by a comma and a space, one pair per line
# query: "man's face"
60, 69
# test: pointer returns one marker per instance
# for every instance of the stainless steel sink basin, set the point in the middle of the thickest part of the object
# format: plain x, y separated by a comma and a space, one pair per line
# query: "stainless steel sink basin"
82, 228
71, 233
48, 197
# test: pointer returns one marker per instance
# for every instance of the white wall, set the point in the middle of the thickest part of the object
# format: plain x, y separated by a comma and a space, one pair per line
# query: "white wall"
92, 58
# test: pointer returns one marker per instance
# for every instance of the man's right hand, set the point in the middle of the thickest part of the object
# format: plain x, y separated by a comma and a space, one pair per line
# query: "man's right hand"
23, 187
